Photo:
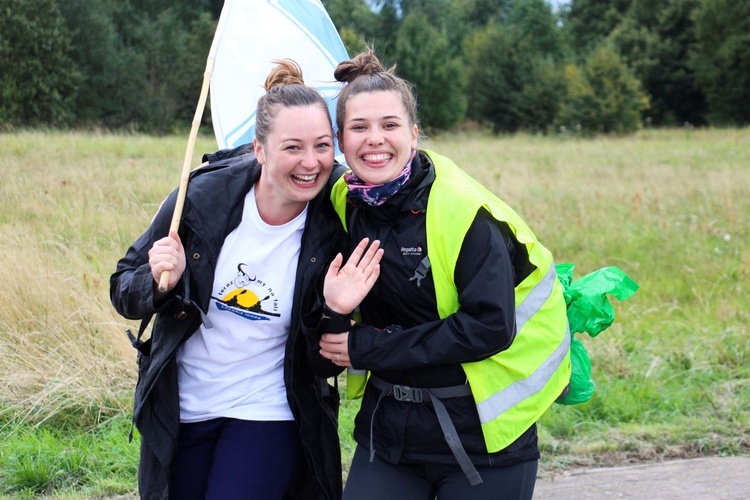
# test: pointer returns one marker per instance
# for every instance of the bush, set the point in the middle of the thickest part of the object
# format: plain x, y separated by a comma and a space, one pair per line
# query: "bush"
603, 96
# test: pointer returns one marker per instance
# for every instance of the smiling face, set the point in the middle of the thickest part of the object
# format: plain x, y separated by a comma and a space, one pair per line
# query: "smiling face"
377, 137
297, 158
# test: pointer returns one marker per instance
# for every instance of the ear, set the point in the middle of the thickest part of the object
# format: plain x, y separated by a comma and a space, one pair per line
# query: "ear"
414, 136
260, 152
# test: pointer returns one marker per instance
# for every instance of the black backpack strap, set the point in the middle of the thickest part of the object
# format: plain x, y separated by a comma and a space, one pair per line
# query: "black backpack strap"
421, 271
142, 347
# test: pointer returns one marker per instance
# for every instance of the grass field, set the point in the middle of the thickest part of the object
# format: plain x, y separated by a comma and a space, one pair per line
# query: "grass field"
671, 208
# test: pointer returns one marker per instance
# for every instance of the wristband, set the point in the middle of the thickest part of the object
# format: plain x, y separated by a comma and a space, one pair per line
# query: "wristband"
333, 322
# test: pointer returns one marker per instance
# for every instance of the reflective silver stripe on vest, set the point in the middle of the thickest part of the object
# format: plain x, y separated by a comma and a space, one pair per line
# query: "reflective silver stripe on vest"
535, 300
512, 395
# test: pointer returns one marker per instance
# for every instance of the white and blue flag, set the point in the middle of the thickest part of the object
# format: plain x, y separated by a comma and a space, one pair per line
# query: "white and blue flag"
249, 36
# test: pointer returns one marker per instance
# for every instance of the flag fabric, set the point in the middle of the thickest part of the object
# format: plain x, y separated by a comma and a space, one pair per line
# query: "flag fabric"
249, 36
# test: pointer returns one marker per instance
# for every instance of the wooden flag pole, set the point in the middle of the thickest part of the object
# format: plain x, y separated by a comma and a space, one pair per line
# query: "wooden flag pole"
186, 164
182, 191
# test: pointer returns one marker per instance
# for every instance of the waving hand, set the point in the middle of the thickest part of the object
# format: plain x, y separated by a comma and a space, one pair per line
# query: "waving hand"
345, 287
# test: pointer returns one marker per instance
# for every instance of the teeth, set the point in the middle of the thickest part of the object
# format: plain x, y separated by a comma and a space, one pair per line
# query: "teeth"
305, 178
376, 158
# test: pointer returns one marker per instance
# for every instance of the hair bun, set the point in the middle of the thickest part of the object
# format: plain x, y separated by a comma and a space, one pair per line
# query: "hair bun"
366, 63
286, 72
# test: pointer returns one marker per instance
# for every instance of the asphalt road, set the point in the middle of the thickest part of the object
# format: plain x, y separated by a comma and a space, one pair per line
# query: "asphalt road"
714, 478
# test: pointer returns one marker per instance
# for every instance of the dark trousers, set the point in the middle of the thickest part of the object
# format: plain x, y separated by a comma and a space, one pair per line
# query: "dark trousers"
379, 480
226, 459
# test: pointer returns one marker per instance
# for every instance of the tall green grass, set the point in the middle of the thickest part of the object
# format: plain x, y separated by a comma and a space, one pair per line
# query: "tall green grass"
669, 207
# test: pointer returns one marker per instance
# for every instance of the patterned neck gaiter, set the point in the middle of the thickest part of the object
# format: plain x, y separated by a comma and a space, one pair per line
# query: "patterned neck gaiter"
377, 194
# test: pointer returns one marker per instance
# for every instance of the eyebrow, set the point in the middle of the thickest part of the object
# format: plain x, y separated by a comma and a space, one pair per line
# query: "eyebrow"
389, 117
296, 139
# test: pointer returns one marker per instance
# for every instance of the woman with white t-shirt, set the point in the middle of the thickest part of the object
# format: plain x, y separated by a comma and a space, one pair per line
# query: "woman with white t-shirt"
226, 403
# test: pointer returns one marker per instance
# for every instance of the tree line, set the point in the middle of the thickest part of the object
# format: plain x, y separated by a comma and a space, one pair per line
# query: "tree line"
591, 66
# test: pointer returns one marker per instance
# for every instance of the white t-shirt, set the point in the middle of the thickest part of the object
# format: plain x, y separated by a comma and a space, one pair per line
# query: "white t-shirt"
236, 368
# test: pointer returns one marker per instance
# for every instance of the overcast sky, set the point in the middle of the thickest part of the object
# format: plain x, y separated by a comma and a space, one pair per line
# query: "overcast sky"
556, 3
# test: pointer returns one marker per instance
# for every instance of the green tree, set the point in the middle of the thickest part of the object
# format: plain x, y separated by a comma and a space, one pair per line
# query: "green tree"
436, 11
38, 80
579, 109
721, 59
185, 10
388, 22
109, 93
424, 58
541, 94
200, 37
537, 28
461, 18
514, 69
602, 97
142, 62
479, 13
355, 22
169, 83
588, 22
492, 77
654, 40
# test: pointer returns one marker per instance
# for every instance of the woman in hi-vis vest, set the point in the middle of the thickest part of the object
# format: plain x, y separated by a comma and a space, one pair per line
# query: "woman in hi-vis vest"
464, 335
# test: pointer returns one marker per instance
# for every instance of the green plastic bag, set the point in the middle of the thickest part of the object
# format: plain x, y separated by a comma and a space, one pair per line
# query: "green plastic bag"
581, 385
589, 311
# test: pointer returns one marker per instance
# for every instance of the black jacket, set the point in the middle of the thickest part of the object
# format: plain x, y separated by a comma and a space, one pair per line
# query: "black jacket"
213, 208
402, 339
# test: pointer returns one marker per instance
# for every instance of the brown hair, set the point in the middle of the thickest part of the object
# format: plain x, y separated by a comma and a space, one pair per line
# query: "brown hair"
365, 73
285, 88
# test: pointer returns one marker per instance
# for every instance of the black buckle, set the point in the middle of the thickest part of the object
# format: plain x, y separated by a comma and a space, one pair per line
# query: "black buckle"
143, 346
133, 341
406, 393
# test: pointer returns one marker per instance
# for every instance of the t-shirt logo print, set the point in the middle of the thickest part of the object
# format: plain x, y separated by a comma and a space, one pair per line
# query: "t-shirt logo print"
242, 296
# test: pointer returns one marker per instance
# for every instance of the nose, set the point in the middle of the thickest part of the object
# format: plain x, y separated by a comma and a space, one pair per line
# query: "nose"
375, 136
309, 160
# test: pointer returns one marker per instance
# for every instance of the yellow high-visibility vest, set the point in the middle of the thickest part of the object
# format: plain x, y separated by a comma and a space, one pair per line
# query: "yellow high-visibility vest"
513, 388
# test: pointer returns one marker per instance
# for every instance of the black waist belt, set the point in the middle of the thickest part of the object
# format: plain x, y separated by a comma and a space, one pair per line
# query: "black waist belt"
434, 395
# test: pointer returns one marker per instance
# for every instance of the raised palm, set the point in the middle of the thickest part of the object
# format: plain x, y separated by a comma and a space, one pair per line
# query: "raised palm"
345, 287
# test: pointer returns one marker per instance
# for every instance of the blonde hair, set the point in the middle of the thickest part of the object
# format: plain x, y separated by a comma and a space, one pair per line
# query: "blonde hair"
285, 88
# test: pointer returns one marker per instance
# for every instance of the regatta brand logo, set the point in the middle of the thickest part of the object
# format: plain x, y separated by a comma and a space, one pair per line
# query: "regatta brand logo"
242, 296
405, 251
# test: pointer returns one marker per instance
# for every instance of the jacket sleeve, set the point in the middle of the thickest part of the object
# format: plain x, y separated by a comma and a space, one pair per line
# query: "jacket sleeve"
131, 286
483, 325
318, 319
322, 320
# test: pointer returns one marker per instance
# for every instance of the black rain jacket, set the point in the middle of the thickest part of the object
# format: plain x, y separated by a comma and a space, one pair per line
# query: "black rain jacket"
403, 341
213, 208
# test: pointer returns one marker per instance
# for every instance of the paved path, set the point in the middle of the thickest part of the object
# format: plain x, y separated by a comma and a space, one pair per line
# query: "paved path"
713, 478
